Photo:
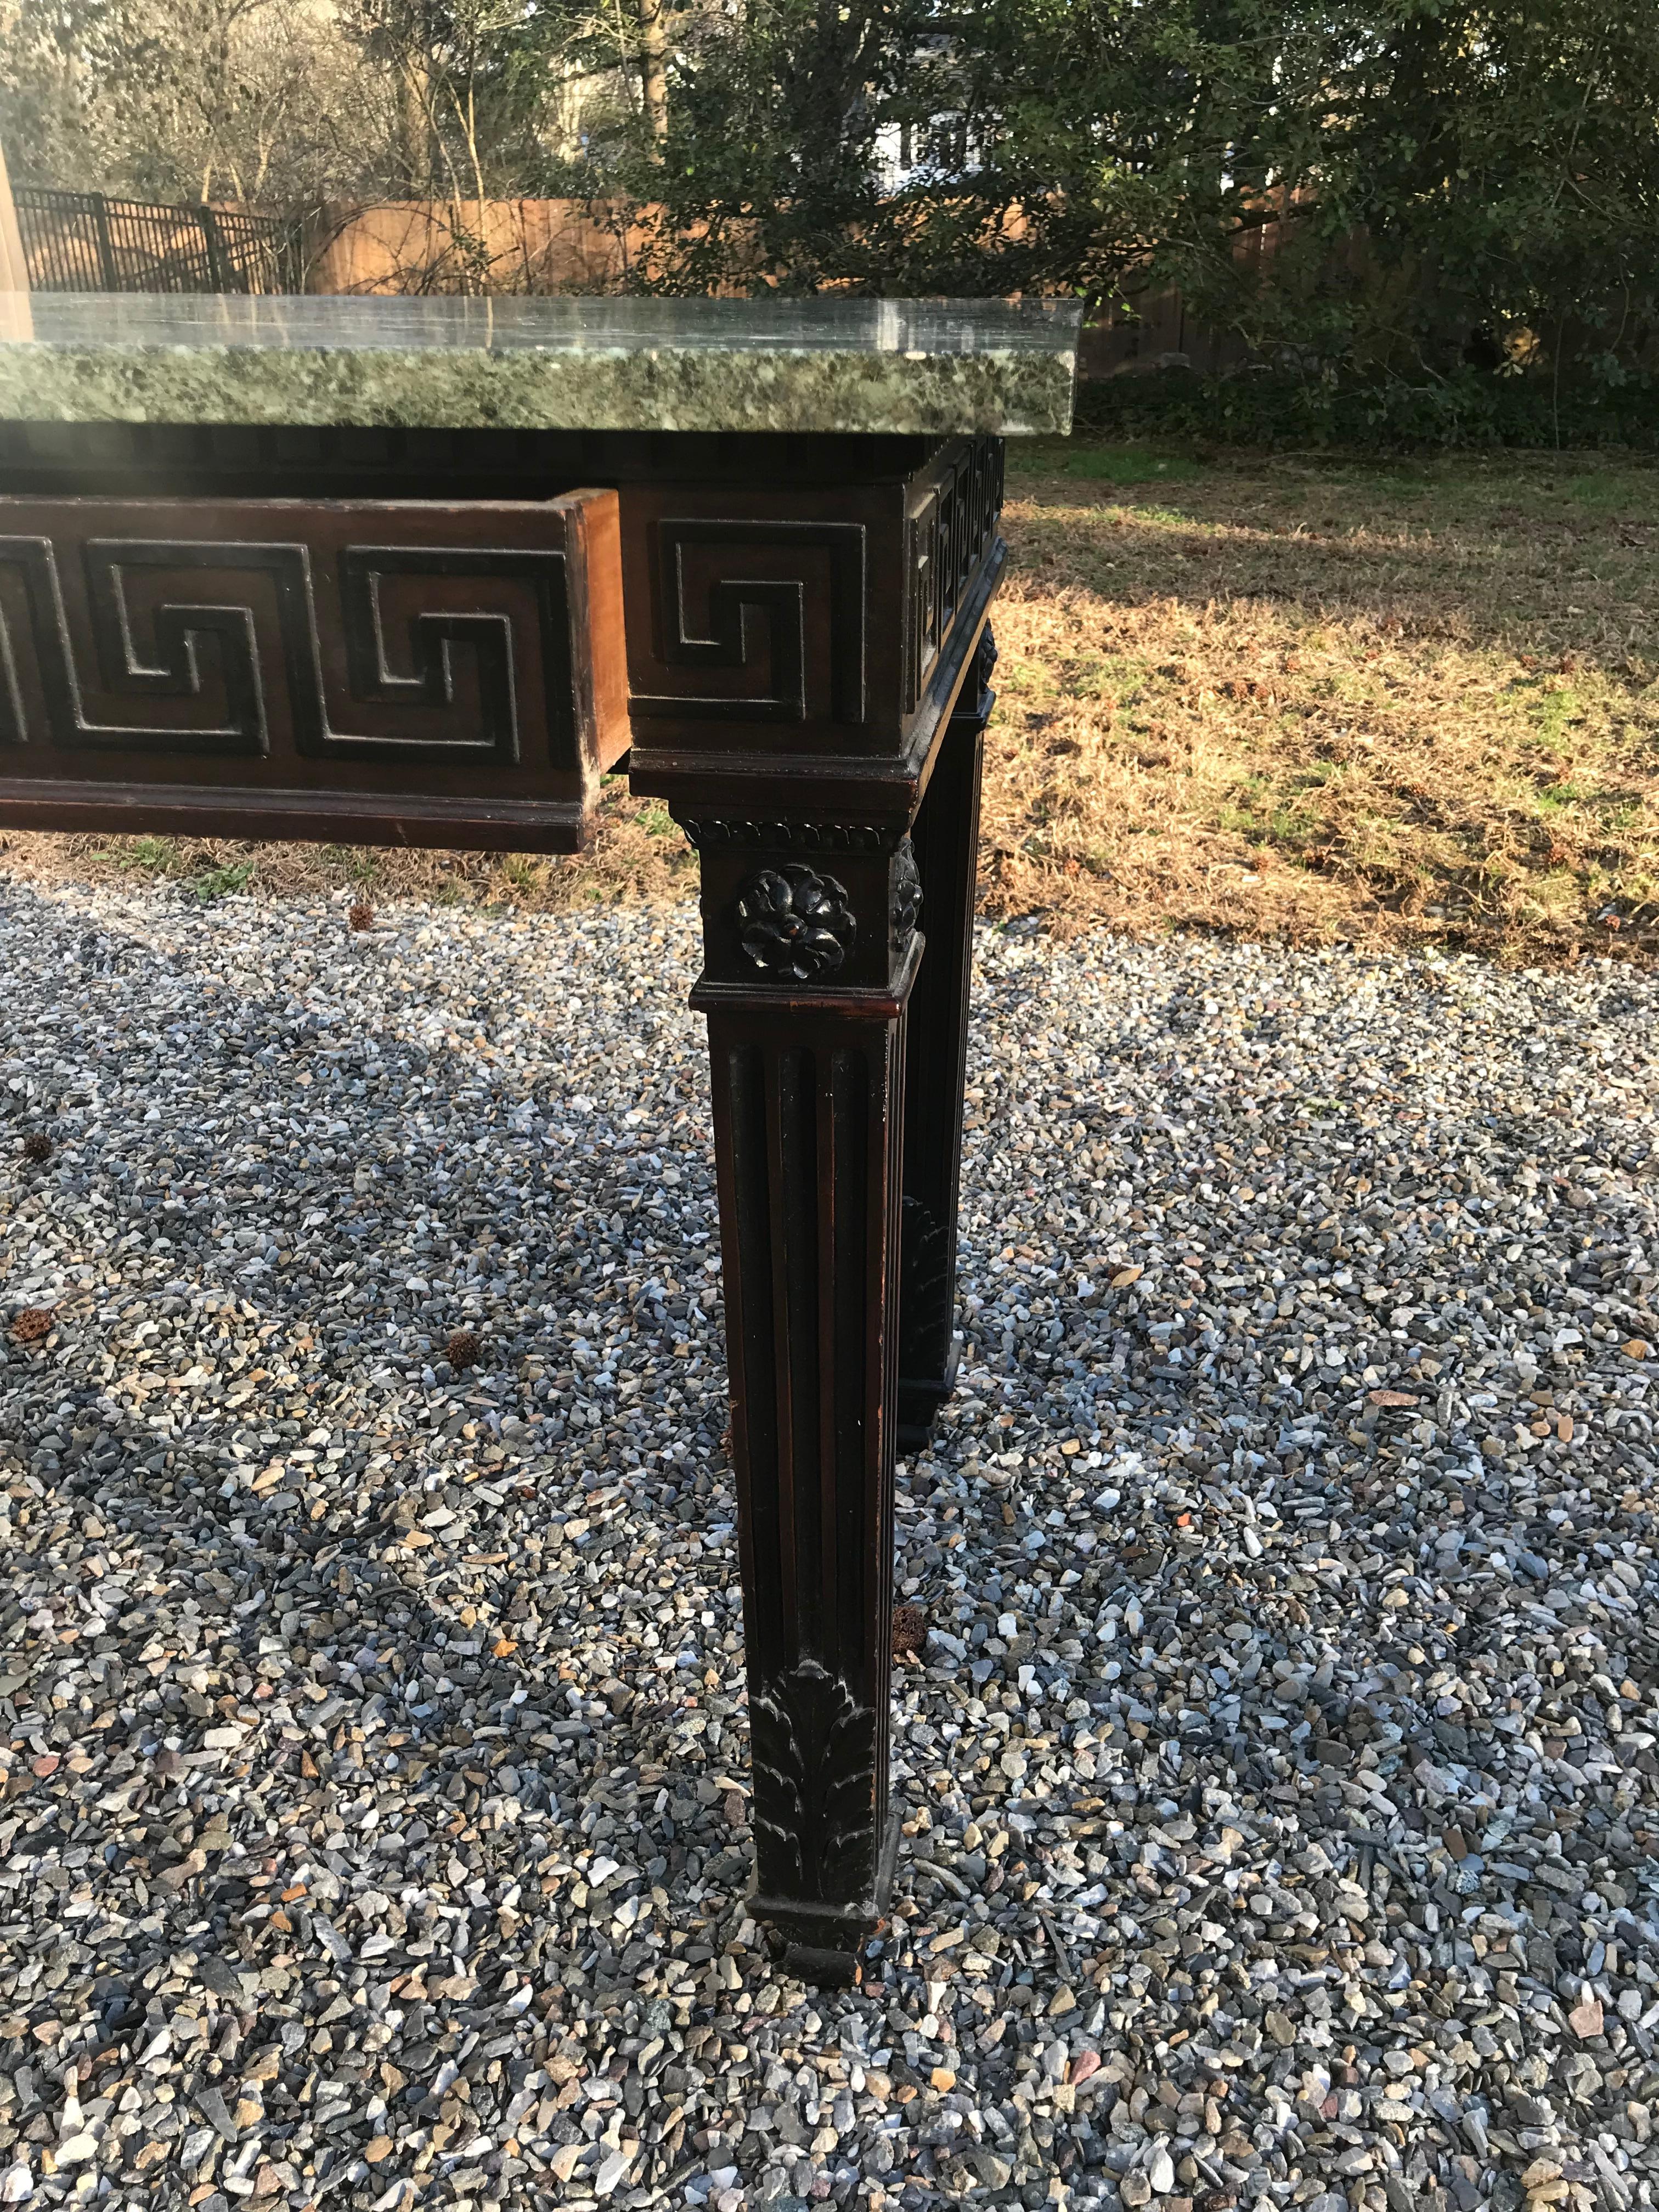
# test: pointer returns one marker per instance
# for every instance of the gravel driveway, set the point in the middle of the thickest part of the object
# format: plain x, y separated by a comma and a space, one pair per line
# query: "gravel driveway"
1280, 1772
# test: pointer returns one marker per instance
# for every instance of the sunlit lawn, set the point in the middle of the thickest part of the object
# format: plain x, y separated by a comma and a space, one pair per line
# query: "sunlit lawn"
1325, 699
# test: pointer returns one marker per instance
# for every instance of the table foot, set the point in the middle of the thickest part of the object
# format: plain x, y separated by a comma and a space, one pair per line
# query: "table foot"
920, 1398
826, 1948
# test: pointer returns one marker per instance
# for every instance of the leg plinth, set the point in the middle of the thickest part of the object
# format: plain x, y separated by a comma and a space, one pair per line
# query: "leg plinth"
945, 838
811, 957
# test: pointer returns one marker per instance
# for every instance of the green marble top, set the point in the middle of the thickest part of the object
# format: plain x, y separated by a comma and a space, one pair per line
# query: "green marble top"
895, 366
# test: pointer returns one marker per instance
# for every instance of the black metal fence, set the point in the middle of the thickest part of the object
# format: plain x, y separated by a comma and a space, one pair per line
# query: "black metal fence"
85, 242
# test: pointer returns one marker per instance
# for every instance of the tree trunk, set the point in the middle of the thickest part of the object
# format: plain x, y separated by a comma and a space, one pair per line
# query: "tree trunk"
416, 125
654, 66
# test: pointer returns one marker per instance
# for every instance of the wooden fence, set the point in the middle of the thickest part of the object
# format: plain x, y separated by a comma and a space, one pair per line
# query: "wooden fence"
581, 246
1158, 333
473, 245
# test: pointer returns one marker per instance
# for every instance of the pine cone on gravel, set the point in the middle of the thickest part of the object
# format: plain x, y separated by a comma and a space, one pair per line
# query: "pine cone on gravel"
910, 1631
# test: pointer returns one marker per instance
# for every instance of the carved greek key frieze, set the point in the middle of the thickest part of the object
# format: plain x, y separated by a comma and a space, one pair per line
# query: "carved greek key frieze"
40, 644
381, 594
765, 620
950, 534
409, 672
174, 621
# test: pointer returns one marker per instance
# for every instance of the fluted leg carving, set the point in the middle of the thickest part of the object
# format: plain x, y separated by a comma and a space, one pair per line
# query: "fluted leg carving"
808, 1083
946, 843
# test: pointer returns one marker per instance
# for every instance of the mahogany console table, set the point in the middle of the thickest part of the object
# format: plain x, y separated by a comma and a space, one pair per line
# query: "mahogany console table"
421, 571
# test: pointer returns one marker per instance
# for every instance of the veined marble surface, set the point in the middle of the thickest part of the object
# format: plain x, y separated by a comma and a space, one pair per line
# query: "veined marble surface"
889, 366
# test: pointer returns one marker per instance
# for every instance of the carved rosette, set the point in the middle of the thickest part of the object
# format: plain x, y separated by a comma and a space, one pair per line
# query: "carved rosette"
814, 1748
906, 895
795, 924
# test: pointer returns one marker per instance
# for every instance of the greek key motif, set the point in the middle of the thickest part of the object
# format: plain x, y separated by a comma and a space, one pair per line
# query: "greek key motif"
175, 623
769, 614
951, 534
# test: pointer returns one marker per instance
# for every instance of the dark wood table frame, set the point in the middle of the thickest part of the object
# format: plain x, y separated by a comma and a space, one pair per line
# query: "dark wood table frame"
427, 637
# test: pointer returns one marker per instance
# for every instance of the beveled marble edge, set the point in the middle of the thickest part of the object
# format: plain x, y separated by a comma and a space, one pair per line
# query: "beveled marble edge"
463, 372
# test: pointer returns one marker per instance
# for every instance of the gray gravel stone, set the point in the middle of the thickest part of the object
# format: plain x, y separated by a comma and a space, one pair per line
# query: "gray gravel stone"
1278, 1771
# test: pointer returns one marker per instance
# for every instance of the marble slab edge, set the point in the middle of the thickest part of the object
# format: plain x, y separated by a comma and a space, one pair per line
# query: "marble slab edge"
1013, 394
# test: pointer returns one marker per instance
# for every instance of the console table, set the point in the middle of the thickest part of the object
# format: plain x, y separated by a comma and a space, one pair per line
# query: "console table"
422, 571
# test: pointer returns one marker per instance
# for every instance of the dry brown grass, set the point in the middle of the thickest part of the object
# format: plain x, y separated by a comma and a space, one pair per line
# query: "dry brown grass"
1314, 699
1271, 695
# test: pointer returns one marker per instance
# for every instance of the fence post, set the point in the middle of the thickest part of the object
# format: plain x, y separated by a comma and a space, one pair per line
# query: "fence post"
16, 319
13, 262
106, 267
292, 255
227, 277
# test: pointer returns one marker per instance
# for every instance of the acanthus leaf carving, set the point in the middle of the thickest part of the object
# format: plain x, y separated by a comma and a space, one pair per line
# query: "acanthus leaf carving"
906, 895
815, 1784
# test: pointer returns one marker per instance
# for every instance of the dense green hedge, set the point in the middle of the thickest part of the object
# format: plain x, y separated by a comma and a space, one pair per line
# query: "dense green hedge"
1469, 409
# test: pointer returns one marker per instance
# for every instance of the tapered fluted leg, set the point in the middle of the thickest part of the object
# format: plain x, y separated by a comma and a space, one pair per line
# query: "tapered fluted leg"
946, 842
808, 1074
807, 1129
